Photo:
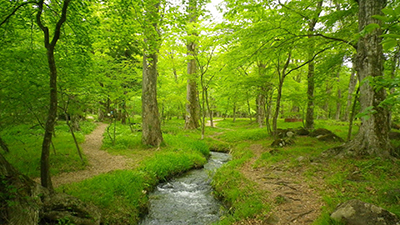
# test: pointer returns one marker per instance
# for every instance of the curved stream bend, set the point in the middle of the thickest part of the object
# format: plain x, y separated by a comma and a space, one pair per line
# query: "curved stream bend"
187, 199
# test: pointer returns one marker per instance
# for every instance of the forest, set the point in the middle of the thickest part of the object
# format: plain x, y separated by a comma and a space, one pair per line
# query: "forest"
301, 93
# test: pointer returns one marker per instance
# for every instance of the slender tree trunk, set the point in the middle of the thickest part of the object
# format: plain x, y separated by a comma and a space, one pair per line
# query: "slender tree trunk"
339, 97
210, 112
282, 75
151, 126
234, 111
310, 74
260, 102
248, 105
277, 107
52, 113
352, 86
373, 135
268, 111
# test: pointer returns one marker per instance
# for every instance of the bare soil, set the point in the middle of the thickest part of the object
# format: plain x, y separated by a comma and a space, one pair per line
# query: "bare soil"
99, 161
292, 199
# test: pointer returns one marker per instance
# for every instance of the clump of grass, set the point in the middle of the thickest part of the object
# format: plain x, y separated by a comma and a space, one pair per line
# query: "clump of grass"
241, 196
120, 195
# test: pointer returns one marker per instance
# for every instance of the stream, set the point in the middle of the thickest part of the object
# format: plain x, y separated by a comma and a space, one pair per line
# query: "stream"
187, 199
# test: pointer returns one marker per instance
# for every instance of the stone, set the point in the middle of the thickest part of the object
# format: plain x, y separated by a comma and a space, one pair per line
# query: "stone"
356, 212
282, 142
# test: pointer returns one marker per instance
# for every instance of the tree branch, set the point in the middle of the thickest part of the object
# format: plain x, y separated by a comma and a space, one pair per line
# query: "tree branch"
307, 62
336, 39
14, 11
60, 23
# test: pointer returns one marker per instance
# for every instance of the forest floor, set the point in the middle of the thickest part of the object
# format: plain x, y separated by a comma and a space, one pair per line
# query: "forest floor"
292, 200
99, 161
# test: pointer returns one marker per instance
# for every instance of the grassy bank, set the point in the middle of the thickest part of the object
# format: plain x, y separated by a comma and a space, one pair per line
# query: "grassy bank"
371, 180
122, 195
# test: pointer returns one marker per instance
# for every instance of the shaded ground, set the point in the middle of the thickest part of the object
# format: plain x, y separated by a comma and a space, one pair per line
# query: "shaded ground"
293, 201
99, 161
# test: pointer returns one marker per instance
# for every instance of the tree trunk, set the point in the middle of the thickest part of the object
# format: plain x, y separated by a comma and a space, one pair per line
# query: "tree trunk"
277, 107
373, 135
352, 86
52, 114
210, 112
248, 105
310, 74
192, 103
260, 102
339, 97
151, 127
24, 202
268, 111
234, 111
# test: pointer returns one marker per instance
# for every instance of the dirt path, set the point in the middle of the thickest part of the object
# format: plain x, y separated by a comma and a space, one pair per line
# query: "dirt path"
99, 161
291, 198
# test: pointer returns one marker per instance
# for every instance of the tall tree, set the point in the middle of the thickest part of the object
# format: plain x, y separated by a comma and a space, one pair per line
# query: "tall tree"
52, 114
192, 98
151, 126
372, 138
310, 74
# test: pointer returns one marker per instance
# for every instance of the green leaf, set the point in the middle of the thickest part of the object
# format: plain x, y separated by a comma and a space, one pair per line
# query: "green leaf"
370, 27
389, 11
389, 44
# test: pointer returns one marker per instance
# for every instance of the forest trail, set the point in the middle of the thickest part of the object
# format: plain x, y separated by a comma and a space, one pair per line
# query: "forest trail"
292, 200
99, 161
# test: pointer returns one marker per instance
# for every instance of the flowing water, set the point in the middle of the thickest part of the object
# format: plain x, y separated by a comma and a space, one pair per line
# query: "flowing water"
187, 199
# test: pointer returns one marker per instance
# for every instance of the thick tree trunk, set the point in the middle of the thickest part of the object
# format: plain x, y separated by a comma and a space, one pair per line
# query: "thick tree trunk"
151, 126
24, 202
192, 104
372, 138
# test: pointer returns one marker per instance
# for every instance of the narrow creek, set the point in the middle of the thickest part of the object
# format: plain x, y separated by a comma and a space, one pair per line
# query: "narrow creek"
187, 199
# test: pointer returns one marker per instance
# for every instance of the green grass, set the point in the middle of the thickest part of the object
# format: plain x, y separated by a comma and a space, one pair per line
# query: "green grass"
239, 194
121, 195
25, 141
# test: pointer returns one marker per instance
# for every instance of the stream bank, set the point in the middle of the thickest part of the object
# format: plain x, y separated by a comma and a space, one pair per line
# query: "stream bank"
187, 199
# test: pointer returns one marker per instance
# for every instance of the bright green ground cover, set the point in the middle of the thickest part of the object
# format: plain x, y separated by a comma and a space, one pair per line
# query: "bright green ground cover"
121, 195
25, 142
